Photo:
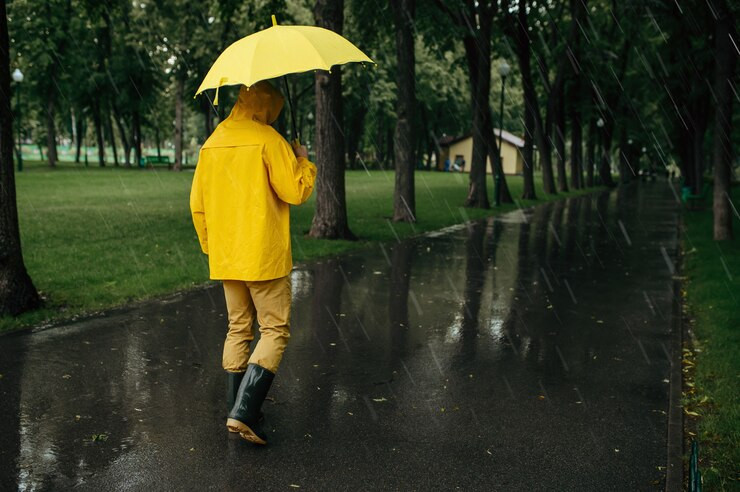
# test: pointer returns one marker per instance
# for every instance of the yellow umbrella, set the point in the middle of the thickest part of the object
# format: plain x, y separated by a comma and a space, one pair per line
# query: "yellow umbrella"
279, 50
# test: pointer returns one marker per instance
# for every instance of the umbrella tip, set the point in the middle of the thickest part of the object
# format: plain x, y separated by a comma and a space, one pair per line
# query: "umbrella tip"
274, 20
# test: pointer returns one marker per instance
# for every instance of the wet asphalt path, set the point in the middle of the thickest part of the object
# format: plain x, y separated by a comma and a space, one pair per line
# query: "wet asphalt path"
527, 352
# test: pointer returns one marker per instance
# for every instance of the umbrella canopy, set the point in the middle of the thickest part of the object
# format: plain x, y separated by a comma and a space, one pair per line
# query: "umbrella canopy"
280, 50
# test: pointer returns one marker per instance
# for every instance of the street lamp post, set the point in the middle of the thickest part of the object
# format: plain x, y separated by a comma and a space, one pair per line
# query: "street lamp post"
18, 78
503, 71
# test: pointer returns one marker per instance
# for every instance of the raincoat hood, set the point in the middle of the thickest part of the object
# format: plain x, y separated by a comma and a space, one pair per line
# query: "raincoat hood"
261, 102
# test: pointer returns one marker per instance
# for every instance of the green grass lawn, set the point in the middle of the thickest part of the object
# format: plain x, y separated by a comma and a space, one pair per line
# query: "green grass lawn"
95, 238
713, 298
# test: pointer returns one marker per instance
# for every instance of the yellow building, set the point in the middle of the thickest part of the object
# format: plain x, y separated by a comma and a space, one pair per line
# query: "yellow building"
460, 150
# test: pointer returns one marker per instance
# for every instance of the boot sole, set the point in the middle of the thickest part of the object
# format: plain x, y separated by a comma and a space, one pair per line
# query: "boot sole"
244, 431
235, 430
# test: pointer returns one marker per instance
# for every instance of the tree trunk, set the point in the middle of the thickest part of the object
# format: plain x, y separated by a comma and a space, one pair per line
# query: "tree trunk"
136, 136
543, 145
700, 127
17, 292
111, 137
478, 55
576, 150
494, 155
179, 89
205, 106
99, 134
528, 191
124, 138
577, 10
330, 218
404, 139
354, 136
156, 140
725, 62
625, 166
388, 159
591, 152
51, 133
531, 102
79, 130
605, 169
559, 121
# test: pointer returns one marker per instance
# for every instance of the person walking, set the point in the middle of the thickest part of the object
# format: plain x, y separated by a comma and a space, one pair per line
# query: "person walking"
245, 181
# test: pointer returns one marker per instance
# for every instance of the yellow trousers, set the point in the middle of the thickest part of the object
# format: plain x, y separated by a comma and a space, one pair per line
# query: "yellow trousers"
269, 301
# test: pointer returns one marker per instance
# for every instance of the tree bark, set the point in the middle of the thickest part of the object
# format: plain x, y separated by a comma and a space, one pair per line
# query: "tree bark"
179, 89
576, 147
136, 136
404, 139
156, 140
111, 137
559, 120
625, 166
99, 133
205, 106
591, 152
478, 55
79, 130
17, 292
330, 218
494, 155
523, 51
528, 191
51, 133
124, 138
356, 129
605, 167
725, 62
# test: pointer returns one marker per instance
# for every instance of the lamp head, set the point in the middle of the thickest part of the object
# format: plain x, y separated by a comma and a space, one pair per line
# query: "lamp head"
600, 123
504, 69
18, 75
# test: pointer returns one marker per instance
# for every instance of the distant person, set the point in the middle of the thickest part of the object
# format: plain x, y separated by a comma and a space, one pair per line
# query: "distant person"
447, 165
462, 164
246, 179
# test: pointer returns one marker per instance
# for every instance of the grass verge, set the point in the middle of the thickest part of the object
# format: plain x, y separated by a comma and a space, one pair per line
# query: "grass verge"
711, 362
95, 238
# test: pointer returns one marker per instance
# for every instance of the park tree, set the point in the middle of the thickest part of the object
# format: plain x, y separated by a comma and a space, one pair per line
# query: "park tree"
475, 20
725, 55
17, 292
575, 99
330, 218
42, 37
516, 26
404, 141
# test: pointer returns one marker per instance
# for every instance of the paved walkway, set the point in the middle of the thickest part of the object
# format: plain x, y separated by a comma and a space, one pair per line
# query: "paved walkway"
528, 352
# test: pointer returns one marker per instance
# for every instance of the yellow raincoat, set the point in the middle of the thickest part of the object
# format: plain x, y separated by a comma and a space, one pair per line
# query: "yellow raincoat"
246, 178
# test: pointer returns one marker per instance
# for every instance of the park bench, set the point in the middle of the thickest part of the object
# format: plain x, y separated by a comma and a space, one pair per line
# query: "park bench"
153, 160
695, 201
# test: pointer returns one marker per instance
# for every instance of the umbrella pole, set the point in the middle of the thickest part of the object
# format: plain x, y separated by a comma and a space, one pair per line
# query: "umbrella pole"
292, 112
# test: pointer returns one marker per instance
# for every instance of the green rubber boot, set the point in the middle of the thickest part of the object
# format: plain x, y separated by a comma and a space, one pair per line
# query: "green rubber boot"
244, 417
233, 380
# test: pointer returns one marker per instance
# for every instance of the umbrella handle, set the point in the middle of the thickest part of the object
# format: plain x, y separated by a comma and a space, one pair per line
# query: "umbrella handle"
295, 134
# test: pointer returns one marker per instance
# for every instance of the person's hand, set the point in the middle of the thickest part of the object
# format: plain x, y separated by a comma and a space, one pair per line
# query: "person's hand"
299, 150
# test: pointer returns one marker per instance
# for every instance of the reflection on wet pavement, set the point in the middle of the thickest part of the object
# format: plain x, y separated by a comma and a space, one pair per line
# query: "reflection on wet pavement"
527, 352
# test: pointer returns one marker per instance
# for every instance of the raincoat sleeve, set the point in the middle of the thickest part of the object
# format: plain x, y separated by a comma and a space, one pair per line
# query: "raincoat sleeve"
197, 209
292, 179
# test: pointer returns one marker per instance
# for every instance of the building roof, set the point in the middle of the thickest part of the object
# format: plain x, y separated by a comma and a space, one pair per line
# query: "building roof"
448, 140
